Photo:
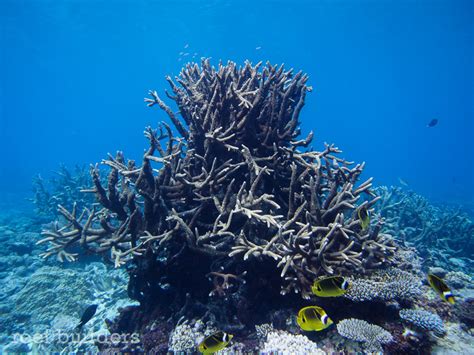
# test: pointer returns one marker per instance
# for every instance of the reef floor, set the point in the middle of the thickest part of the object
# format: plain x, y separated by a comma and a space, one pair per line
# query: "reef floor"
41, 302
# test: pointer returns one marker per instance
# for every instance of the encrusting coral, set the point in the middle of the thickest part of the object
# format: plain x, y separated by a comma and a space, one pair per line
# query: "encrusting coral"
234, 184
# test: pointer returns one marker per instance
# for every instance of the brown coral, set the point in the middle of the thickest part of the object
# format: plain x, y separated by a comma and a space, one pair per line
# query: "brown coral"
234, 184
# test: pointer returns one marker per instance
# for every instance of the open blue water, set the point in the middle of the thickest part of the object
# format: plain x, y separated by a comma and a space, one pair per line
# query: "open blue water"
73, 75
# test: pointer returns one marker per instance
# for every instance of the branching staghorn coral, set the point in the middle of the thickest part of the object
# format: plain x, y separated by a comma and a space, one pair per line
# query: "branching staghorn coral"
63, 189
432, 229
237, 184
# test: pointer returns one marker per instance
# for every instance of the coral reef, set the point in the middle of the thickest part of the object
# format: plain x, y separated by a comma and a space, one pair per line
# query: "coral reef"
262, 330
443, 235
64, 189
407, 341
465, 312
371, 335
156, 341
458, 280
455, 342
227, 222
423, 320
63, 291
186, 336
281, 342
234, 186
38, 297
385, 285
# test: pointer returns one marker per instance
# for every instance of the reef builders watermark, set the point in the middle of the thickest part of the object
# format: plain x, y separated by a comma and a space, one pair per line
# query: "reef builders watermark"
64, 338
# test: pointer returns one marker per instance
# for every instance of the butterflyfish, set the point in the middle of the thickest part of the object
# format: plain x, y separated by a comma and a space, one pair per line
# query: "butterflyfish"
331, 286
441, 288
215, 342
364, 217
313, 318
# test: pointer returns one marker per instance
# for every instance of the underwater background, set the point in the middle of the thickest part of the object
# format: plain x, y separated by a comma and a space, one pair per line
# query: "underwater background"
73, 76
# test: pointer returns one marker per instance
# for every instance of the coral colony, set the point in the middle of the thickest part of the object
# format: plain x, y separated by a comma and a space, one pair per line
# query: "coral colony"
234, 185
231, 217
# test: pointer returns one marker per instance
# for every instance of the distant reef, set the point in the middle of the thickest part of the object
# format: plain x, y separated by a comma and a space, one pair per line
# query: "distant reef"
443, 235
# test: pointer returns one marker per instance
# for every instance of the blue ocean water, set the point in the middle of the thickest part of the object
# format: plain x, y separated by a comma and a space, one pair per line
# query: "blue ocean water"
73, 78
74, 74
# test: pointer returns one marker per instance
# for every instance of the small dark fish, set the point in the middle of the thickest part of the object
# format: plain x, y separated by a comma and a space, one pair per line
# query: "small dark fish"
433, 123
87, 315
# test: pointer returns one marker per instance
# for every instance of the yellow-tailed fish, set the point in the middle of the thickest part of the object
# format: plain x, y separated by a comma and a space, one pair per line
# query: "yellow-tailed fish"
313, 318
215, 342
331, 286
364, 217
441, 288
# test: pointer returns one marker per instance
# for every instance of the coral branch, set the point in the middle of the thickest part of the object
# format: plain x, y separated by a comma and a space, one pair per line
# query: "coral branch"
234, 186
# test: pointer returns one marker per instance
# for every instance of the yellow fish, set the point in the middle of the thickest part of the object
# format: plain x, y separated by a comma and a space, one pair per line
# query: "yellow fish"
441, 288
215, 342
331, 286
313, 318
364, 217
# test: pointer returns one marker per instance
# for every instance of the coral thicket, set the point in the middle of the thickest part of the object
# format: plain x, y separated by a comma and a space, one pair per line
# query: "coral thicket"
236, 186
443, 235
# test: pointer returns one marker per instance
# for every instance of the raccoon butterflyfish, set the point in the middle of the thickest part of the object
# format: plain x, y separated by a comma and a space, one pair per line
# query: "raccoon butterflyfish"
313, 318
364, 217
331, 286
215, 342
441, 288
